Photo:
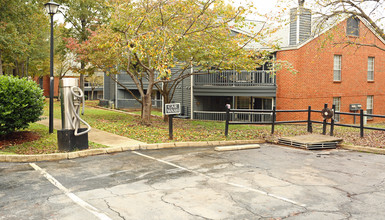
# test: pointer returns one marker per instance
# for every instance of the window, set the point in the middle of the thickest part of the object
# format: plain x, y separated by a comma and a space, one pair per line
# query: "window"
243, 102
337, 68
337, 103
371, 69
369, 105
352, 27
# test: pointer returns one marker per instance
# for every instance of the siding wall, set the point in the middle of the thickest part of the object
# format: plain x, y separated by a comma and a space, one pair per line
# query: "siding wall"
183, 93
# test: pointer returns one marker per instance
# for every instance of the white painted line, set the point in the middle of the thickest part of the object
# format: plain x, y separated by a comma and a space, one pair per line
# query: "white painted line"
72, 196
228, 183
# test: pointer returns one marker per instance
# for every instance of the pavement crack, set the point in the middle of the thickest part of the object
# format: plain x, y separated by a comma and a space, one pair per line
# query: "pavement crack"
292, 215
380, 184
110, 191
179, 207
108, 205
246, 207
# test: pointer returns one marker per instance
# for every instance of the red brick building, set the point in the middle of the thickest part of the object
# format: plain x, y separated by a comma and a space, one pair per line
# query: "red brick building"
331, 72
44, 83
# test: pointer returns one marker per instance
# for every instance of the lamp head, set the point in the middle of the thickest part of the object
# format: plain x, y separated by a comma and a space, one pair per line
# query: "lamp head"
51, 7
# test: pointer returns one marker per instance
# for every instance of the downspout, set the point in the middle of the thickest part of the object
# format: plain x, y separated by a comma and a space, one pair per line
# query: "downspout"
192, 91
116, 92
104, 83
183, 95
162, 101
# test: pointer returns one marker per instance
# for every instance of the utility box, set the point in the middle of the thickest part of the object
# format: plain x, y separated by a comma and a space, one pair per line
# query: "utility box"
355, 107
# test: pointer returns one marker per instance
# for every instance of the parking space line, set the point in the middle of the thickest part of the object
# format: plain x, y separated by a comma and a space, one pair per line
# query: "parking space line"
228, 183
70, 195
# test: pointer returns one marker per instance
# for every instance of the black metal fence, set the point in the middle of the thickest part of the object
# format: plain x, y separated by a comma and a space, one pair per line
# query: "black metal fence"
309, 120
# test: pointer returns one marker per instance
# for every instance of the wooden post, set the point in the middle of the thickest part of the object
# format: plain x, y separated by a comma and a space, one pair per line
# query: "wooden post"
361, 123
309, 125
324, 122
170, 127
227, 121
332, 122
273, 121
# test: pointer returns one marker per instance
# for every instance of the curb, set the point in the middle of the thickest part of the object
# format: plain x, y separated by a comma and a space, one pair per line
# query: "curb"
237, 147
362, 149
111, 150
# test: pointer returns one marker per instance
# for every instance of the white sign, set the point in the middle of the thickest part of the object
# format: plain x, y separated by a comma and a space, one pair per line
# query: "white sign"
172, 109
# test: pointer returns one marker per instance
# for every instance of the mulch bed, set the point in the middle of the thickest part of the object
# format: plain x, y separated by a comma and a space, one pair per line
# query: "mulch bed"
17, 138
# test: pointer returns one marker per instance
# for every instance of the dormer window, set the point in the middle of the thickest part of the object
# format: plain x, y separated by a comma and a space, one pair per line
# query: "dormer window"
353, 28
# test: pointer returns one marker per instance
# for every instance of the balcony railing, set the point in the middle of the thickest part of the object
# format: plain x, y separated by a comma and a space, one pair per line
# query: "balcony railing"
234, 78
234, 116
133, 103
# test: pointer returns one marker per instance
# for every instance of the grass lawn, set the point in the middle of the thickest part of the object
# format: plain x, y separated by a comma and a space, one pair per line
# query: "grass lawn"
46, 143
194, 130
128, 125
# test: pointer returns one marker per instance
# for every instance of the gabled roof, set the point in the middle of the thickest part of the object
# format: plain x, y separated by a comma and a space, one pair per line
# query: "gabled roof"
284, 35
281, 36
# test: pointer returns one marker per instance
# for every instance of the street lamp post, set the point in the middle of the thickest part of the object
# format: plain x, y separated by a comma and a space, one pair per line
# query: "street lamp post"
52, 8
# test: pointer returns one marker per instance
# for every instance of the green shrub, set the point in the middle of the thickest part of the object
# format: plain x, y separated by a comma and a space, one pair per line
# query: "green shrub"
21, 102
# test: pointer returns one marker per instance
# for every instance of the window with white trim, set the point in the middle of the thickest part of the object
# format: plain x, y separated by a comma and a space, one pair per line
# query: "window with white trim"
369, 105
337, 103
337, 68
370, 68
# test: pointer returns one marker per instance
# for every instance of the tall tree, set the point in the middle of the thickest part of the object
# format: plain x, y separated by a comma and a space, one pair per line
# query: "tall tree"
146, 38
23, 37
82, 16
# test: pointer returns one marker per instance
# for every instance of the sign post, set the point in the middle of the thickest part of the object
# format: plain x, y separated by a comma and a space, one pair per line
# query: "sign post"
171, 110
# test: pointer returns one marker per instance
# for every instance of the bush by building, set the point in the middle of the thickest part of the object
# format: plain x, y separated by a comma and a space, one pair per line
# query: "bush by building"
21, 103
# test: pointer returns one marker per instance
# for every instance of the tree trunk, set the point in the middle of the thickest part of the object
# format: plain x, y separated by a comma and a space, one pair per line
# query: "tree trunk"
22, 69
92, 93
1, 65
146, 116
166, 101
166, 98
81, 78
83, 38
26, 68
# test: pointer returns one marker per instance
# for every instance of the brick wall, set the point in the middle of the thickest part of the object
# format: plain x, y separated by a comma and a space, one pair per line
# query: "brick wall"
46, 85
313, 84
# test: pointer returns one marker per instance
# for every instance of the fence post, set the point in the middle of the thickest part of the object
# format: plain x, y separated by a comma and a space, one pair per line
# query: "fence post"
309, 125
227, 121
361, 123
273, 121
324, 122
332, 122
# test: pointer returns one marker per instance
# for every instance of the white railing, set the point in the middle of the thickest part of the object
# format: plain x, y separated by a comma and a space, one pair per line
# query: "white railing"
235, 78
234, 116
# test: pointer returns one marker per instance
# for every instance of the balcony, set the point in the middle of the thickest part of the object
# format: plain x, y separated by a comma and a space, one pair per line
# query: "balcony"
232, 83
231, 78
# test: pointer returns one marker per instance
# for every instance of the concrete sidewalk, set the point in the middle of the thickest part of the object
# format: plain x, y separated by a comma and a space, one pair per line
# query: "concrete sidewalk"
98, 136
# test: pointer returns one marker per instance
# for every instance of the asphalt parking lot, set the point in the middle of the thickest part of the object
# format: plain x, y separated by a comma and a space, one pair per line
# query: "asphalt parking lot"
271, 182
